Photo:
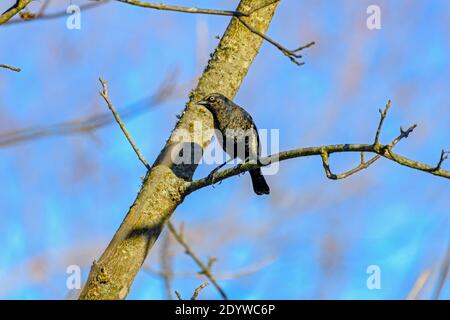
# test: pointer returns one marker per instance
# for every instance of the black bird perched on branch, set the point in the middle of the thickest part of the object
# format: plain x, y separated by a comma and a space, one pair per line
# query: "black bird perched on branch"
238, 135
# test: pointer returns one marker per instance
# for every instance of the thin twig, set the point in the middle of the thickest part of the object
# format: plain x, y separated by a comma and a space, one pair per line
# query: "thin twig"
166, 266
198, 290
293, 55
383, 114
444, 156
226, 275
204, 267
443, 275
41, 15
149, 5
92, 123
419, 285
160, 6
178, 295
43, 8
363, 164
5, 66
104, 94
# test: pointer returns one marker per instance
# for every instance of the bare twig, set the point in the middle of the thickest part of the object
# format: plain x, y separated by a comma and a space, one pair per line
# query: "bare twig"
11, 12
104, 94
166, 266
419, 285
198, 290
383, 114
160, 6
43, 8
363, 164
444, 156
5, 66
226, 275
41, 15
293, 55
89, 124
205, 269
324, 151
443, 275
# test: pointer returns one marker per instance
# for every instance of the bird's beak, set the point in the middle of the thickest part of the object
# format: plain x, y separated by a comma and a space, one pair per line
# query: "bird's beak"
202, 102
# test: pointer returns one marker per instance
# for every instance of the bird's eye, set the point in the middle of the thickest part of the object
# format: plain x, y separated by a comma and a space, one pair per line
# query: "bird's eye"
211, 99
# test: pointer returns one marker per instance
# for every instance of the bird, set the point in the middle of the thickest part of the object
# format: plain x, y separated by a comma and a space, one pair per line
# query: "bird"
238, 135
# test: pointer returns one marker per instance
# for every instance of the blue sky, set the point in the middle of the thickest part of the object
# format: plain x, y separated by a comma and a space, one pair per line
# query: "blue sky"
62, 198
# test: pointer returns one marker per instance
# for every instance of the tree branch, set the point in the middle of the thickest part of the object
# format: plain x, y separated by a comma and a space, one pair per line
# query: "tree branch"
205, 269
324, 152
104, 94
166, 266
420, 283
5, 66
11, 12
41, 15
163, 187
293, 55
364, 165
90, 124
165, 7
196, 291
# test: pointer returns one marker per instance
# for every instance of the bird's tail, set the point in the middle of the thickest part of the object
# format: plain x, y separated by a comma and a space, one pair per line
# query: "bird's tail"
259, 183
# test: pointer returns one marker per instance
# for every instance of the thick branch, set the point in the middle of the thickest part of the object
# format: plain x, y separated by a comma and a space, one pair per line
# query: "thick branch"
179, 236
11, 12
163, 188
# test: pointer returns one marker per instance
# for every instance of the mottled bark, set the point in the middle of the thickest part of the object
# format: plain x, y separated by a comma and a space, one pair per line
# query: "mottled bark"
164, 186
